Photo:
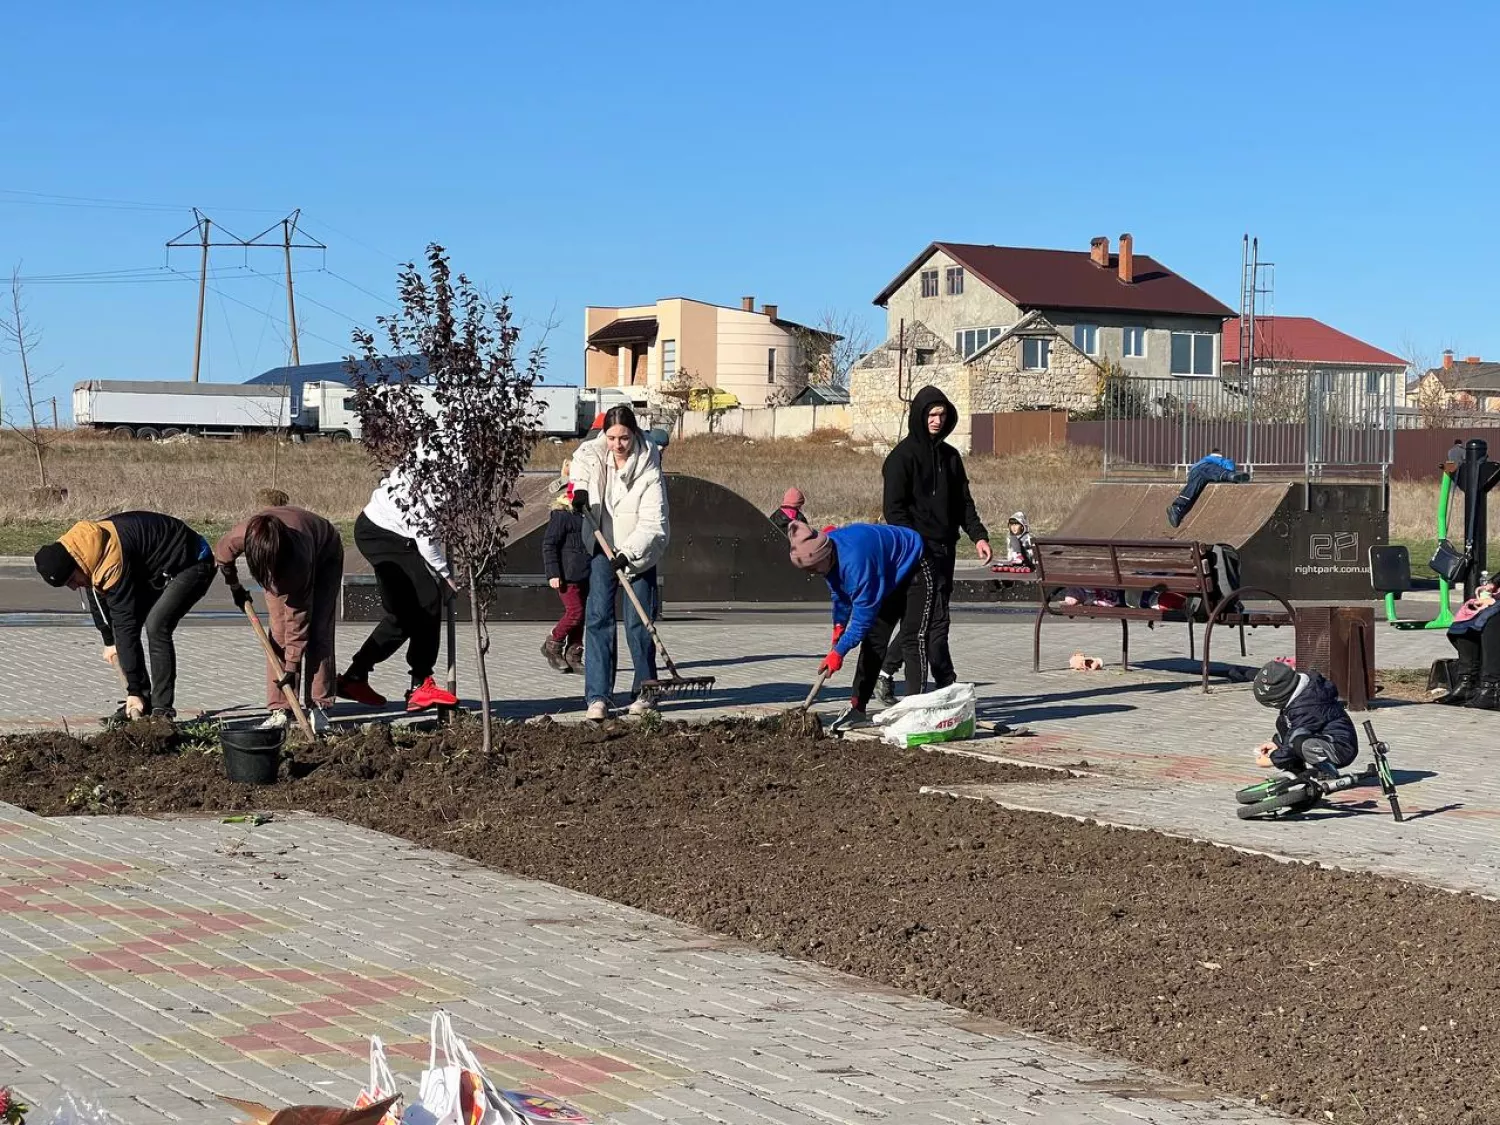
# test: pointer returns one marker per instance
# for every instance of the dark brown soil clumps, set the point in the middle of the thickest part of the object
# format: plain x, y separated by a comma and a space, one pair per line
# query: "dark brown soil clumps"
1339, 997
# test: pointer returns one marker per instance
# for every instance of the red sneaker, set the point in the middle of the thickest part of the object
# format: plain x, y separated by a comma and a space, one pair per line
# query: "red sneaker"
360, 691
428, 694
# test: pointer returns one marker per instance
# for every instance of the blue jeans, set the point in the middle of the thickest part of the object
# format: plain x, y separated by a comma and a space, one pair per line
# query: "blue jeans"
1199, 477
601, 646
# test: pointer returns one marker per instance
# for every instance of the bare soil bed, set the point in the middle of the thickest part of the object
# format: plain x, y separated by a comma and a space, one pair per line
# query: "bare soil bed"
1335, 996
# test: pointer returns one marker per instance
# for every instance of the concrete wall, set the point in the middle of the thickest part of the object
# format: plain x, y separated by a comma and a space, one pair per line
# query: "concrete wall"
979, 306
1158, 359
766, 424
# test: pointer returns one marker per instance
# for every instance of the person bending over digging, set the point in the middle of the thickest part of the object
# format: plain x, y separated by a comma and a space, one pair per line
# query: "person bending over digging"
878, 575
414, 583
140, 572
298, 559
1313, 730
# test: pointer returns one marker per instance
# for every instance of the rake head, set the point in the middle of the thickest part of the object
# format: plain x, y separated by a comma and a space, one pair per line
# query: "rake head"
677, 685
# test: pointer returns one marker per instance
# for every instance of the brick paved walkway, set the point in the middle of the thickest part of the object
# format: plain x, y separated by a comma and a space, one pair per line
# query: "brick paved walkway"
154, 963
158, 961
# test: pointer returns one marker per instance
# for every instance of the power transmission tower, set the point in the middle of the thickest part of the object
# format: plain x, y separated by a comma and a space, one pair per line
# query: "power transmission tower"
200, 234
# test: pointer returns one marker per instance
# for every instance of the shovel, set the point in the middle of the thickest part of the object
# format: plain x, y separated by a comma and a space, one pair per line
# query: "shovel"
798, 720
276, 666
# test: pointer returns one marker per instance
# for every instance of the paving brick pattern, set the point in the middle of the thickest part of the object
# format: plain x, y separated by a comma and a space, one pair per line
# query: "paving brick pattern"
150, 964
156, 962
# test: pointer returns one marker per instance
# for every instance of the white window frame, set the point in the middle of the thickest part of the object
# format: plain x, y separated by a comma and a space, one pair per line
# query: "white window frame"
982, 337
1084, 327
667, 373
1125, 342
932, 276
953, 281
1046, 358
1196, 338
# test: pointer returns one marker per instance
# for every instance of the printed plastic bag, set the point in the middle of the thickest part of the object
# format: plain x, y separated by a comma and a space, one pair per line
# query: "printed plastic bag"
529, 1109
382, 1084
945, 715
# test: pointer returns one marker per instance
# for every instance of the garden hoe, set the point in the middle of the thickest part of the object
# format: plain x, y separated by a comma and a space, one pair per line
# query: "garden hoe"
675, 684
275, 663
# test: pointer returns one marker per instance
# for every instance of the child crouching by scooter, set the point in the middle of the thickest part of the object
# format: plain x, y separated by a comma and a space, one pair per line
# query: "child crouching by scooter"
1313, 730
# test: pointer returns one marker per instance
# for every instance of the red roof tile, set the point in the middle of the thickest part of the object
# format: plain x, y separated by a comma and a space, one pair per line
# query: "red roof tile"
1303, 338
1069, 279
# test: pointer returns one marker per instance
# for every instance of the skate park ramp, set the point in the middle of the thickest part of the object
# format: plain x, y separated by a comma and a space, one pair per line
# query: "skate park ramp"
1230, 514
1305, 541
722, 550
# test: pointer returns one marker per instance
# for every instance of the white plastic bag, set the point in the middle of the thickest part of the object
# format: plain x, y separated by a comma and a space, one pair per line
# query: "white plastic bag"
382, 1084
451, 1091
945, 715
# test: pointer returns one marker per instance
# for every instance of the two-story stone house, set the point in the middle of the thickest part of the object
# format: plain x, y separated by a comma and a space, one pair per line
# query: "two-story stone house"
1008, 328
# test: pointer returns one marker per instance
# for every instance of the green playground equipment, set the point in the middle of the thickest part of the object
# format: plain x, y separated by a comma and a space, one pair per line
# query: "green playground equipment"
1390, 568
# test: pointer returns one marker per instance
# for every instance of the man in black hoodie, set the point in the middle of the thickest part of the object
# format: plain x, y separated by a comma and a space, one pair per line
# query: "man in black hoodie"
927, 490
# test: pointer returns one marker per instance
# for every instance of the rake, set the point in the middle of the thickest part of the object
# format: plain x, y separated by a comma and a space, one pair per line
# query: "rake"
675, 684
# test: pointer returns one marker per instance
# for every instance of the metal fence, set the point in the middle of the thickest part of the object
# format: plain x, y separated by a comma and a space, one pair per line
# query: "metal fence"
1313, 425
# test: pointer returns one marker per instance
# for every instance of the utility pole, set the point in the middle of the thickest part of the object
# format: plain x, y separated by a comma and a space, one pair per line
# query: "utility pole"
201, 237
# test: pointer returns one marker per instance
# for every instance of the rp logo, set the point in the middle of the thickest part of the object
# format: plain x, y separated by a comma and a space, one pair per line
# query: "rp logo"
1340, 547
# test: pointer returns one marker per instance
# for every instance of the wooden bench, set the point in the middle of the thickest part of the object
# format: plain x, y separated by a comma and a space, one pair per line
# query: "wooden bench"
1164, 566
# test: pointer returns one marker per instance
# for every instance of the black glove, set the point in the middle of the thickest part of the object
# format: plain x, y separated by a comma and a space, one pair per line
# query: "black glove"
619, 564
288, 679
580, 500
241, 597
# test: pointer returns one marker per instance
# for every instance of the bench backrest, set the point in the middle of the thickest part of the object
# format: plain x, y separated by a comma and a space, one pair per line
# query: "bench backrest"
1112, 564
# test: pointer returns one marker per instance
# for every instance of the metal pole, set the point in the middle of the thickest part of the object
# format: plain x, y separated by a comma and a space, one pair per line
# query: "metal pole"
54, 413
1471, 478
204, 223
291, 303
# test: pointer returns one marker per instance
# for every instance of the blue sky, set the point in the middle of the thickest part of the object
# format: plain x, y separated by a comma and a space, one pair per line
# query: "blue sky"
585, 153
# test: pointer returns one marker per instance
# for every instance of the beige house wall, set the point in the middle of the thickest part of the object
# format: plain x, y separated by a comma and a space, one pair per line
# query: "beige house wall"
744, 343
601, 369
978, 306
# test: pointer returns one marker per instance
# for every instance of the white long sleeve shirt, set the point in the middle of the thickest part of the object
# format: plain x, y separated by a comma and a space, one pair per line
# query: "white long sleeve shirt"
385, 511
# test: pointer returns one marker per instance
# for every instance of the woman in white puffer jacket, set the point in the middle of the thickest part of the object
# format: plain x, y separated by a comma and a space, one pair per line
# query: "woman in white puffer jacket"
619, 488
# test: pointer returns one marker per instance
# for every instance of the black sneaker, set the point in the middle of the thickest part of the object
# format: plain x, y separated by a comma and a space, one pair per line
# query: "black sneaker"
885, 690
1174, 517
851, 719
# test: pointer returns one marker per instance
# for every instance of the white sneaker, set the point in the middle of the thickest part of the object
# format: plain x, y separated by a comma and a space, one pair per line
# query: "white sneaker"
642, 706
598, 711
277, 720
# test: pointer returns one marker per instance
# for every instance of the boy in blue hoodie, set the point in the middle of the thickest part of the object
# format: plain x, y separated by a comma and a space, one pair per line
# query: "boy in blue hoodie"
878, 576
1212, 469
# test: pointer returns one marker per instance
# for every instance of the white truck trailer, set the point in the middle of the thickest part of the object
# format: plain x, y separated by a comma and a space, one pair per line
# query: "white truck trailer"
150, 409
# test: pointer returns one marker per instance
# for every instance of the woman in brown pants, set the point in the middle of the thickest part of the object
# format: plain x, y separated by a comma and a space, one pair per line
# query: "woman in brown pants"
298, 559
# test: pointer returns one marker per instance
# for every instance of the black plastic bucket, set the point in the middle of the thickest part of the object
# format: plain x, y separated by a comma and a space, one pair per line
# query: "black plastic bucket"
252, 754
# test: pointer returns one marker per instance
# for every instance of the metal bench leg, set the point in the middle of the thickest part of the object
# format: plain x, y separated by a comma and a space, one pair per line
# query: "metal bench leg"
1192, 652
1208, 638
1242, 639
1036, 640
1125, 643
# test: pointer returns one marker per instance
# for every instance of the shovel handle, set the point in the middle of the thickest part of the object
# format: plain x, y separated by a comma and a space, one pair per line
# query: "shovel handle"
276, 666
812, 696
640, 610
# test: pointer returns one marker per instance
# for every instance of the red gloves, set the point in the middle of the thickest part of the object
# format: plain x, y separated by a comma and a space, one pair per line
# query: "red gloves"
831, 663
838, 631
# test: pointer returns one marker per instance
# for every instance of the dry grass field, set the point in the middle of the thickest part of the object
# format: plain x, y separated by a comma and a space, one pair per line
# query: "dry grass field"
213, 484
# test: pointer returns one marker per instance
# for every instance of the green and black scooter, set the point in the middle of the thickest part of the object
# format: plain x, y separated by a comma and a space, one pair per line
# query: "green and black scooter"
1283, 796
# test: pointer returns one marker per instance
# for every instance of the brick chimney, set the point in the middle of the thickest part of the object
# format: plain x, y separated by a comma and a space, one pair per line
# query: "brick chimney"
747, 303
1448, 359
1099, 252
770, 311
1127, 259
1472, 359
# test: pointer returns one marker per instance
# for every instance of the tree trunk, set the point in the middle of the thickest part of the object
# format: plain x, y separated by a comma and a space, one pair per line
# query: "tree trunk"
41, 464
476, 611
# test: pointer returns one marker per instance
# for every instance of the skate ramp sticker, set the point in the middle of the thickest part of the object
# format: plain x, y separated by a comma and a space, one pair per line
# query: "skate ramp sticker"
1231, 514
